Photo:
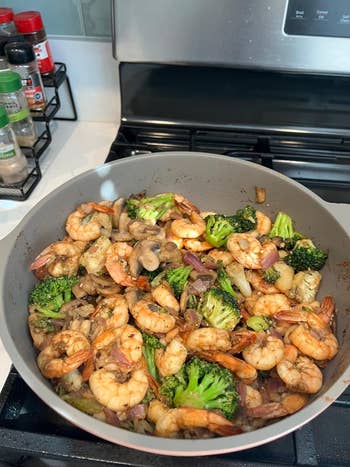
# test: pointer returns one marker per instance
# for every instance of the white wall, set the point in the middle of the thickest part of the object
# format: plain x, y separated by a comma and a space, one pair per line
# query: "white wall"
93, 75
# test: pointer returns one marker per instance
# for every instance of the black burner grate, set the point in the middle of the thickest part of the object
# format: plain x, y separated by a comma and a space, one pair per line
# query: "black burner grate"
29, 428
320, 163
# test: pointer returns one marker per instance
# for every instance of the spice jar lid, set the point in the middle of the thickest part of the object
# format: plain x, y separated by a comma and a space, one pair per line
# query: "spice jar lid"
10, 81
6, 15
7, 39
3, 117
19, 53
28, 21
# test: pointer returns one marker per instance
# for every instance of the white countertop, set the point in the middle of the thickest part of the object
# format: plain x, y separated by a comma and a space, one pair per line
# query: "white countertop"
75, 148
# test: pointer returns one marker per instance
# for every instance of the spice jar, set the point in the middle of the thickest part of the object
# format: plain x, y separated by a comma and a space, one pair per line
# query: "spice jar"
13, 164
3, 41
13, 99
7, 26
21, 58
31, 25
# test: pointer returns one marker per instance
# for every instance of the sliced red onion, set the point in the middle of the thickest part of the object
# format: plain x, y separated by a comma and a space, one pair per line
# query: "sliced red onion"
193, 318
242, 392
193, 260
270, 259
213, 266
119, 356
274, 386
276, 334
111, 417
138, 411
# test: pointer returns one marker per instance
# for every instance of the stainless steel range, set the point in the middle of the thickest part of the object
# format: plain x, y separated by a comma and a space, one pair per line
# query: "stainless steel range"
266, 81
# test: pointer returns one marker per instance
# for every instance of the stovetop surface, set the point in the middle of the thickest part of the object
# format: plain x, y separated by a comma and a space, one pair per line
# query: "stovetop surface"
30, 428
317, 163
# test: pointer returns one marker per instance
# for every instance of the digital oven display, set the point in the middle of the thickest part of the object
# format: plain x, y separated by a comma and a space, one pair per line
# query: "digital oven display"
329, 18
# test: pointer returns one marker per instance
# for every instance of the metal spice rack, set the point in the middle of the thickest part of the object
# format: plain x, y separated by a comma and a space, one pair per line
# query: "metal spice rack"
21, 191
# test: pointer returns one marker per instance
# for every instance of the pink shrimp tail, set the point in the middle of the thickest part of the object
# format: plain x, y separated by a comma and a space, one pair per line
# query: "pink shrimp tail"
40, 261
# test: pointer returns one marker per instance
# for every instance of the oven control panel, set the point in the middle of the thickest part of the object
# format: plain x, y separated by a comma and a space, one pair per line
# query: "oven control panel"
328, 18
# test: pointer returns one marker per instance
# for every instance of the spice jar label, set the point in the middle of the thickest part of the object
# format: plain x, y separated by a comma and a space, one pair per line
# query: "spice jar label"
44, 57
33, 90
17, 116
7, 151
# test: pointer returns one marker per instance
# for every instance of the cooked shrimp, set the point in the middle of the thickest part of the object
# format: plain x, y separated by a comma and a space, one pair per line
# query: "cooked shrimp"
73, 344
263, 225
327, 309
313, 337
289, 404
126, 343
165, 298
268, 305
152, 318
170, 421
212, 339
60, 258
252, 398
196, 245
81, 325
94, 259
185, 205
114, 310
246, 372
116, 265
241, 339
89, 221
171, 237
260, 284
245, 249
265, 353
221, 255
193, 227
118, 396
170, 360
299, 373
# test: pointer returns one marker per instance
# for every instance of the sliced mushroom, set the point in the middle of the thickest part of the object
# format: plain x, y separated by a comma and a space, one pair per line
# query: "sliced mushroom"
143, 230
123, 234
118, 206
94, 258
144, 255
170, 254
133, 295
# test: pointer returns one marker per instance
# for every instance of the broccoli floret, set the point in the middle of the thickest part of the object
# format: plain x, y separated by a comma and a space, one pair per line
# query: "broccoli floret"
224, 282
283, 227
150, 344
259, 323
151, 207
218, 228
49, 295
271, 275
305, 255
220, 309
177, 279
245, 219
289, 243
202, 385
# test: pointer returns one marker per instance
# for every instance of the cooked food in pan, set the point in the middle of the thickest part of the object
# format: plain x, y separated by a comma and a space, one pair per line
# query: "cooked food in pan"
158, 318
